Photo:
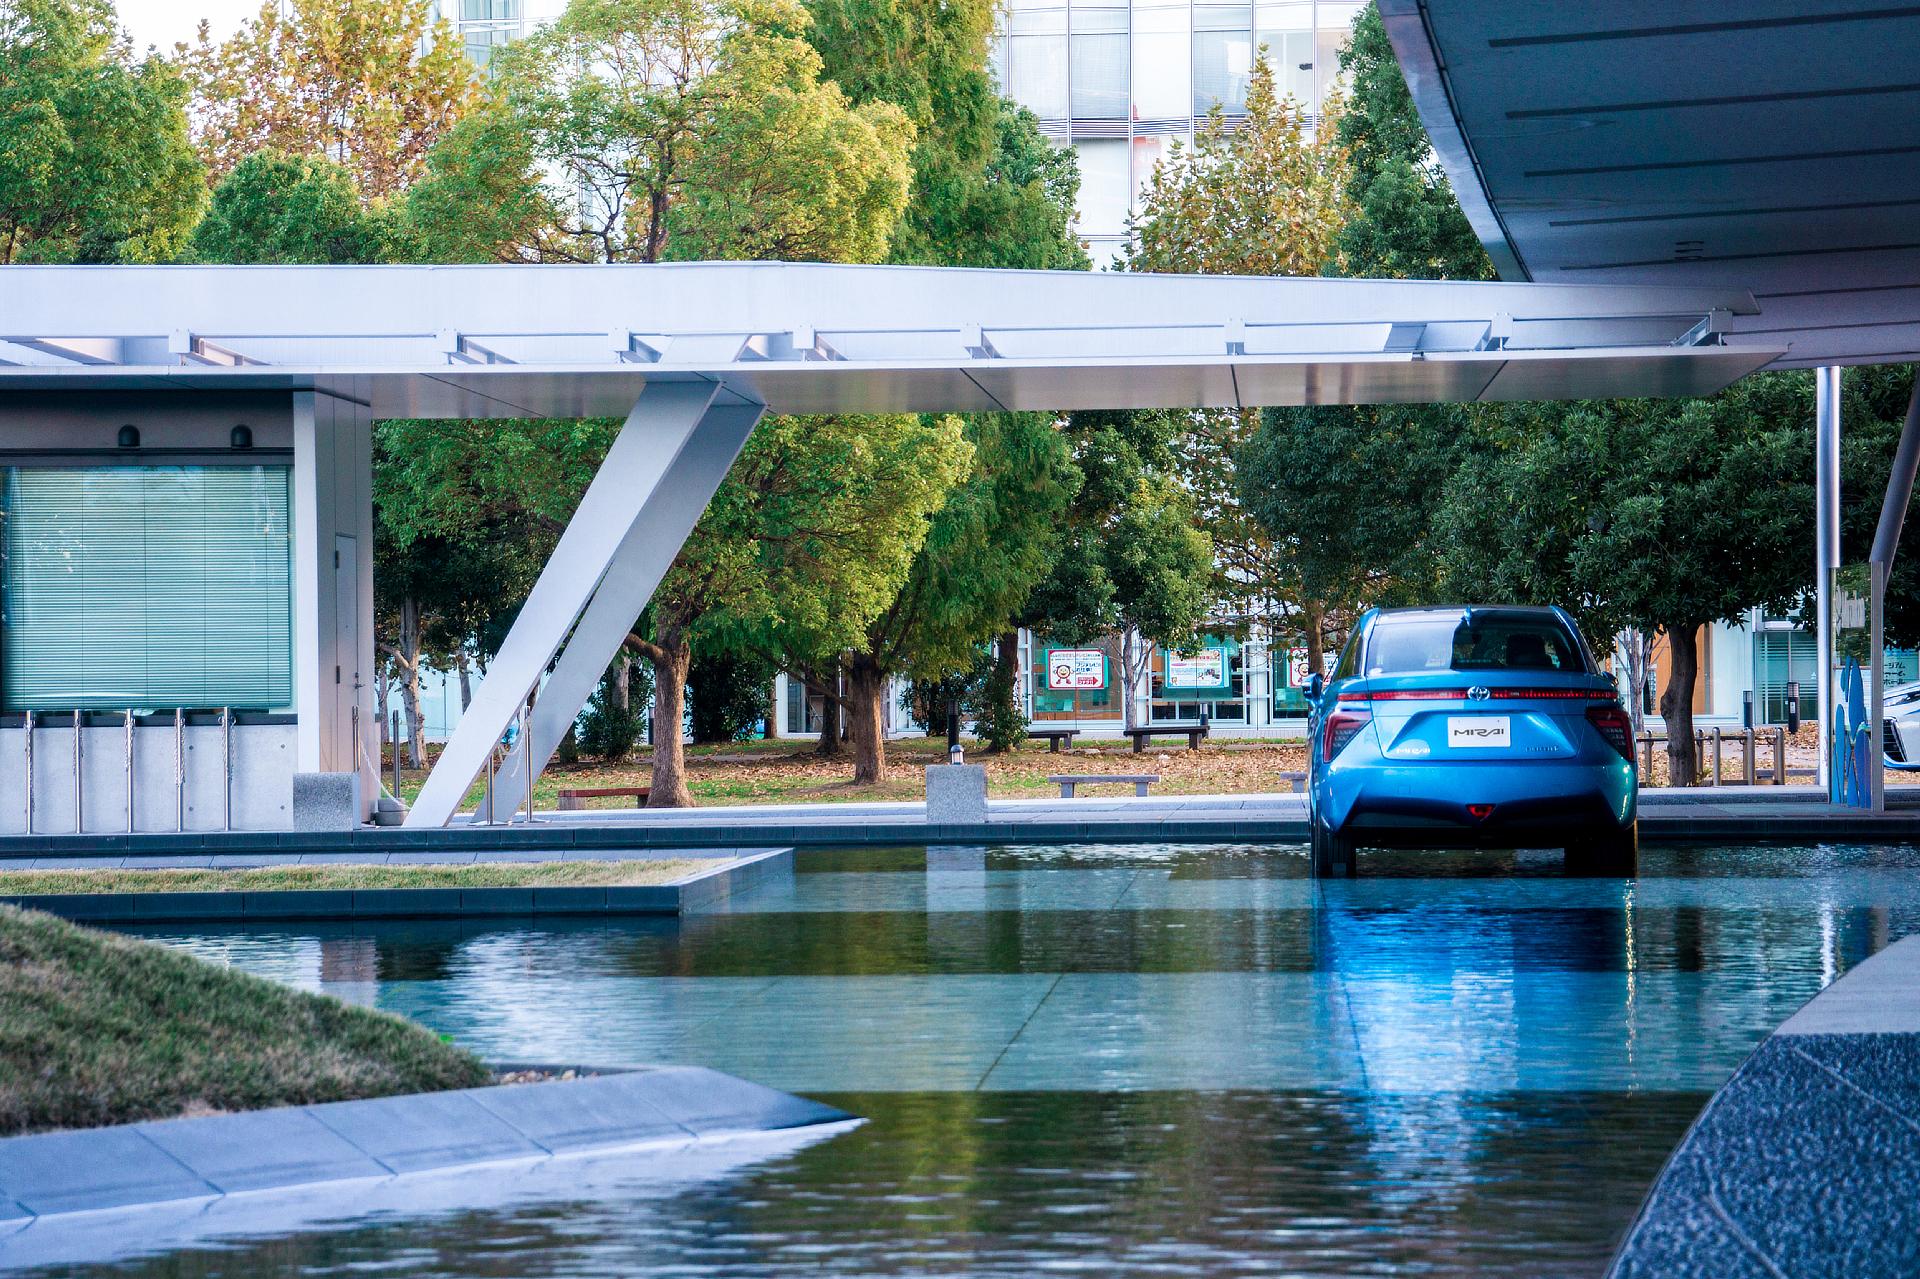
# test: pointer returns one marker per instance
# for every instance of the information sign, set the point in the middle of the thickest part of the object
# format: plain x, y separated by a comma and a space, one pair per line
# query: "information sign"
1204, 668
1070, 669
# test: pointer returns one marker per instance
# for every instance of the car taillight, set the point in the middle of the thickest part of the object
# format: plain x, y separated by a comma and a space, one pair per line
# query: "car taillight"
1342, 725
1614, 724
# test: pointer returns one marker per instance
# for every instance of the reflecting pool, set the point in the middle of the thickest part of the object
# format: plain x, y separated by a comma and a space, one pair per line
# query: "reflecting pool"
1123, 1059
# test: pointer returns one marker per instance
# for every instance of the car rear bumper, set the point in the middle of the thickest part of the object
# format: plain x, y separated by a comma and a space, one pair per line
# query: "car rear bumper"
1539, 802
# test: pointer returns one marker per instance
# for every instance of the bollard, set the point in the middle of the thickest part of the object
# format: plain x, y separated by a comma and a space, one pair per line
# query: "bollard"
226, 767
26, 723
1699, 753
129, 770
179, 769
79, 826
526, 752
1716, 756
396, 754
1646, 751
1779, 756
1748, 773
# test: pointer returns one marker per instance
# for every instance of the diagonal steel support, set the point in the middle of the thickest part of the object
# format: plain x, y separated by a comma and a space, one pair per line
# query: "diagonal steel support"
650, 490
638, 565
1906, 463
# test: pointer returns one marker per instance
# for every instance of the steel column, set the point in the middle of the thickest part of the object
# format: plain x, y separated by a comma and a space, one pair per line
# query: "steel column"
651, 489
659, 527
1826, 539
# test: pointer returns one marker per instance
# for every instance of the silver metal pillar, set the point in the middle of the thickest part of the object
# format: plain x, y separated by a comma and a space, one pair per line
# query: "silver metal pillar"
658, 529
1826, 539
650, 490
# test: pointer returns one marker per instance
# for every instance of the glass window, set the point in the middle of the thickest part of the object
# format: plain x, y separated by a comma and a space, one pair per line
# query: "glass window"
1481, 640
145, 588
1222, 61
1037, 74
1162, 64
1104, 191
1100, 76
1084, 702
1336, 24
1286, 32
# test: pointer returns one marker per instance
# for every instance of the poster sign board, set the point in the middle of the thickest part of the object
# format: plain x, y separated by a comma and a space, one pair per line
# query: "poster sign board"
1203, 668
1072, 669
1857, 680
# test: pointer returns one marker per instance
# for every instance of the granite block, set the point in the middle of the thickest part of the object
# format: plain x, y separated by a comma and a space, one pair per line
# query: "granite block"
263, 1148
100, 1168
426, 1130
327, 802
956, 793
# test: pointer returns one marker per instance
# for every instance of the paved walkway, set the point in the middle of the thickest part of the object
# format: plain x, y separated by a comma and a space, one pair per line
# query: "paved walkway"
1805, 1163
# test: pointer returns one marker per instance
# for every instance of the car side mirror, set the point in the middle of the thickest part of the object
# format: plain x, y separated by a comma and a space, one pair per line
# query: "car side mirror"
1316, 684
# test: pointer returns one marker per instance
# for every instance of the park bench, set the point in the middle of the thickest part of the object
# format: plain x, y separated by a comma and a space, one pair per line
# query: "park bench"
1067, 781
1053, 737
1192, 732
1296, 782
571, 796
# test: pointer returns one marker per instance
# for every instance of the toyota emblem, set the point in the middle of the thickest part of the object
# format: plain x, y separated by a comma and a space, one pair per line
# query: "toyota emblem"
1478, 693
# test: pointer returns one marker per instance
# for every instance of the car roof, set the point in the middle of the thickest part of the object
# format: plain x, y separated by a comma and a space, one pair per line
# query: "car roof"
1439, 612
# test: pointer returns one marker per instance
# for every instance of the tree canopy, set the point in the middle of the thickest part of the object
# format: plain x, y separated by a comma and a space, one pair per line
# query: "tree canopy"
369, 84
95, 165
290, 208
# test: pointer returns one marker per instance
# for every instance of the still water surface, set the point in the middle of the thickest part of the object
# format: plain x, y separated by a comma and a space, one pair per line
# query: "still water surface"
1121, 1060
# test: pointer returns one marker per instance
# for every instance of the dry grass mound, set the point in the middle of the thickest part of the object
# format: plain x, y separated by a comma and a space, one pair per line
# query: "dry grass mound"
97, 1029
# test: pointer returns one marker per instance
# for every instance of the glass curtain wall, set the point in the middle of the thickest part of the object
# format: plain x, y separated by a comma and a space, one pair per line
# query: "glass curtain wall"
1122, 81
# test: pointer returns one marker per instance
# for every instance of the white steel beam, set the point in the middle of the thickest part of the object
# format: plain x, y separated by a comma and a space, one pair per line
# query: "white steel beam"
644, 488
659, 529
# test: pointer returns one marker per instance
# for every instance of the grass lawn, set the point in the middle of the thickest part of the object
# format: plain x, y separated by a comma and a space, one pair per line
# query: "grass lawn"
790, 772
96, 1028
335, 877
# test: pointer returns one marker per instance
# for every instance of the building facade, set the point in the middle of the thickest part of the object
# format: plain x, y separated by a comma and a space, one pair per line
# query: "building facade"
1121, 82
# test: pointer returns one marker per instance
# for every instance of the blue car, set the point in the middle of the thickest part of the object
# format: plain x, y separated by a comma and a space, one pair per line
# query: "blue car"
1470, 727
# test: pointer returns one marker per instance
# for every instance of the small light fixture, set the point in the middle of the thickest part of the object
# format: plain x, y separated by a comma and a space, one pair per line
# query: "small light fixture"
242, 436
129, 437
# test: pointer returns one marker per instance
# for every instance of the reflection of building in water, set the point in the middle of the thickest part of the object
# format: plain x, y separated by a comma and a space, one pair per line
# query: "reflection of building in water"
349, 959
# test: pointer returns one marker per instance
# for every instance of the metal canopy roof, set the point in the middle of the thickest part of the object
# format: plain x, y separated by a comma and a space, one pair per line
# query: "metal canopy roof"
1764, 145
566, 341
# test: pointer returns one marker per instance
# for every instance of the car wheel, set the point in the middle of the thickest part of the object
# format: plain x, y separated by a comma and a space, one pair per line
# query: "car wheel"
1614, 856
1333, 856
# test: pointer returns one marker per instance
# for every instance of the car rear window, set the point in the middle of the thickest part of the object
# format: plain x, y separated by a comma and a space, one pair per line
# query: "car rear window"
1475, 642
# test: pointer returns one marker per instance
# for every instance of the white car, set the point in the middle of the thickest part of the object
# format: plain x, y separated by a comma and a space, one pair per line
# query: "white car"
1900, 730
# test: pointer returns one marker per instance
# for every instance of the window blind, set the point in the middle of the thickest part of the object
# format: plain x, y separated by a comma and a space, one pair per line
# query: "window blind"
145, 587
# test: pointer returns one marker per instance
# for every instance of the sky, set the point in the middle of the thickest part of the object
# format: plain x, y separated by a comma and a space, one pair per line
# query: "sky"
161, 22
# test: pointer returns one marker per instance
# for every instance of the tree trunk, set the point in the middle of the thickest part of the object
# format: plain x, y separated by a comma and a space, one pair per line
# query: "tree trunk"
1006, 681
1126, 677
409, 662
866, 714
1316, 651
466, 680
1638, 646
622, 684
829, 745
671, 655
1676, 704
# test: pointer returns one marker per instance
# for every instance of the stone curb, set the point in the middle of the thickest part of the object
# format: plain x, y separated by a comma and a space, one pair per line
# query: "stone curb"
48, 1174
1804, 1163
704, 890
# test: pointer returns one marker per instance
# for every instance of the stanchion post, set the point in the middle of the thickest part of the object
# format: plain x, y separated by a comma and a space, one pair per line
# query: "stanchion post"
1779, 756
79, 794
129, 770
179, 769
1716, 756
396, 754
226, 767
1749, 773
26, 723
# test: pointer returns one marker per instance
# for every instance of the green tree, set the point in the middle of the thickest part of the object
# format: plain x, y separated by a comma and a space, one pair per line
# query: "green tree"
988, 189
370, 84
1406, 222
690, 129
95, 165
1131, 559
288, 208
1264, 198
1665, 515
991, 542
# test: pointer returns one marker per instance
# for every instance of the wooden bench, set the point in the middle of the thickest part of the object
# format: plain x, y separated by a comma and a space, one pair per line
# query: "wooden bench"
1192, 732
1067, 781
570, 798
1053, 737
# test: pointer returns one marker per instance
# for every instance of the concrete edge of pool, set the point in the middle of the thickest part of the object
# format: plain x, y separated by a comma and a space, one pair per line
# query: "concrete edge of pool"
56, 1174
1806, 1161
705, 890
